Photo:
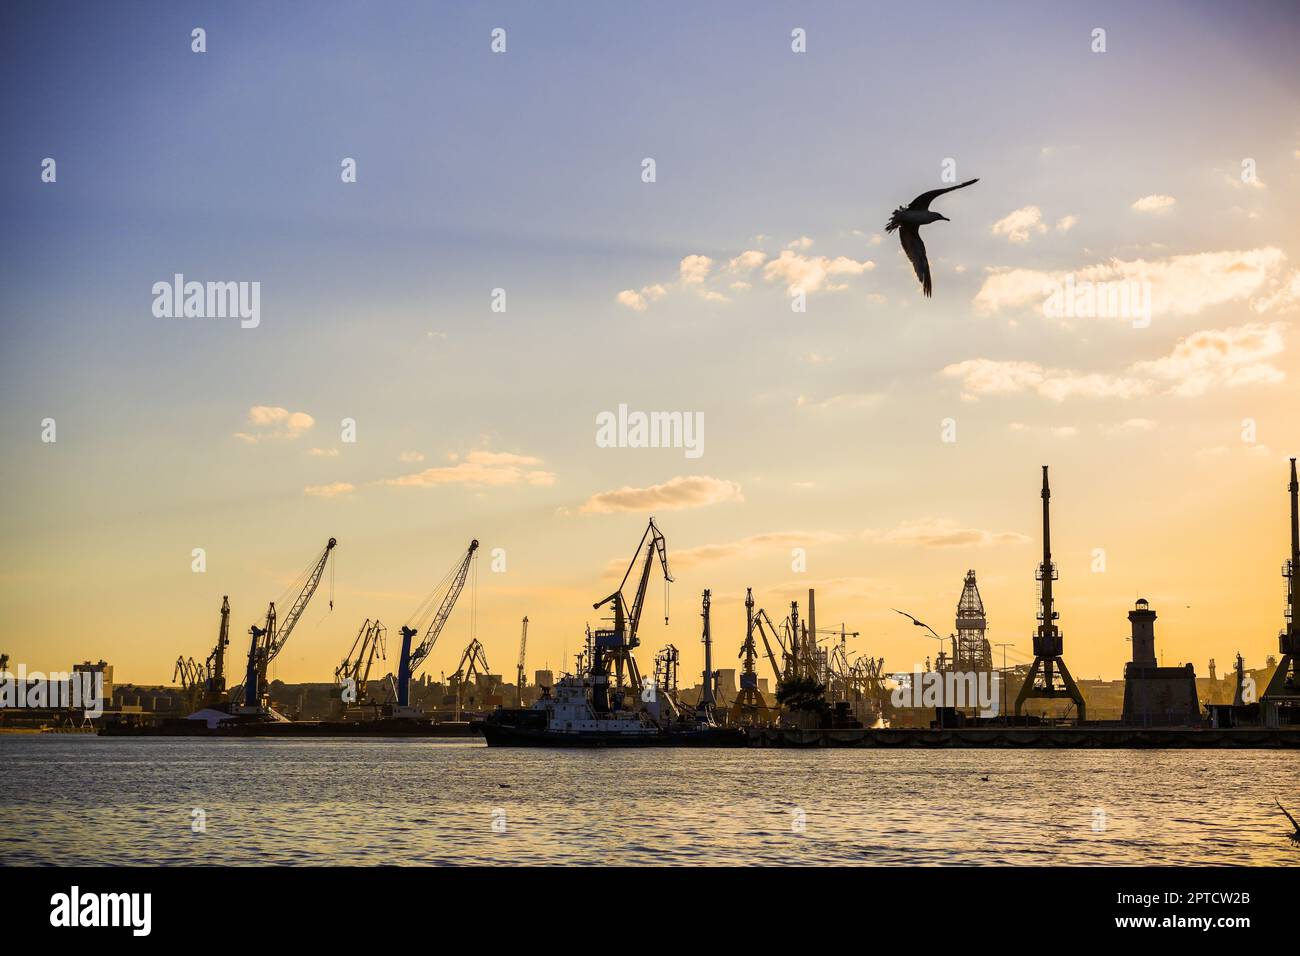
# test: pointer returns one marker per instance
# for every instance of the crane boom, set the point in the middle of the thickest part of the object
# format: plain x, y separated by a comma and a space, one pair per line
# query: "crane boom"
760, 619
412, 659
269, 640
657, 545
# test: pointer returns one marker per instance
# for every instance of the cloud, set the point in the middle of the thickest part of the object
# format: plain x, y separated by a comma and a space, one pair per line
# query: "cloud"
1019, 225
329, 491
638, 301
410, 456
1180, 285
695, 269
1221, 358
272, 423
480, 469
748, 547
1204, 360
1066, 223
695, 491
1154, 203
747, 261
843, 400
1285, 299
324, 452
803, 242
810, 272
943, 533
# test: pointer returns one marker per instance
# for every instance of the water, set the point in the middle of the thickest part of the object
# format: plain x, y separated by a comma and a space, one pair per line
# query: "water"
112, 801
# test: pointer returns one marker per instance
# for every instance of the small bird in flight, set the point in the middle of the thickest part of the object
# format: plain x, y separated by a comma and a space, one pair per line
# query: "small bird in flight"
908, 221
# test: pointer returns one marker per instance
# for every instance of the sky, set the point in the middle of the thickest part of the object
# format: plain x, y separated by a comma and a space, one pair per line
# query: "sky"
896, 440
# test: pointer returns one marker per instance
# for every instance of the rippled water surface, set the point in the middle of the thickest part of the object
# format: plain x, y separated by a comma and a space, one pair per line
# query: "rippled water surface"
69, 799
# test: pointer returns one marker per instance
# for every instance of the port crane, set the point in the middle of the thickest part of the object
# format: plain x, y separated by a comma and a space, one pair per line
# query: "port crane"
612, 646
411, 659
355, 668
472, 663
519, 676
214, 683
192, 678
749, 707
269, 640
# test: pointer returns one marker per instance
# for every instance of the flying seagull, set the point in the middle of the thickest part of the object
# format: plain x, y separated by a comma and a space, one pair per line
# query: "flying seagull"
1296, 835
908, 221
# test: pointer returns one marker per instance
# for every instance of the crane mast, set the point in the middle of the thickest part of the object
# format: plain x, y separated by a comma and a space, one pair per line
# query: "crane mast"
214, 687
519, 677
269, 640
410, 659
614, 645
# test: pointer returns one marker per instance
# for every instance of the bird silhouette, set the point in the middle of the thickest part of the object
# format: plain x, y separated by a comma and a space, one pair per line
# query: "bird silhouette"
1294, 836
909, 219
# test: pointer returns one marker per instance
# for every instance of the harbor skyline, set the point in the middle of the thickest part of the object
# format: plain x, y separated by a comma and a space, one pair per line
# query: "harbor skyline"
500, 276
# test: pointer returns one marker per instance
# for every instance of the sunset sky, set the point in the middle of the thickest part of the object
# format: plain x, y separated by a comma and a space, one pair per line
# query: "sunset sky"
522, 171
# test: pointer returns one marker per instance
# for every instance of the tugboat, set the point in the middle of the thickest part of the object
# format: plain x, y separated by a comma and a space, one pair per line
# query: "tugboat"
585, 711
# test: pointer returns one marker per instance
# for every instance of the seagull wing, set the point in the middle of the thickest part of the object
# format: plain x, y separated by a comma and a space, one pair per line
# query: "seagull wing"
923, 201
911, 238
1288, 816
908, 616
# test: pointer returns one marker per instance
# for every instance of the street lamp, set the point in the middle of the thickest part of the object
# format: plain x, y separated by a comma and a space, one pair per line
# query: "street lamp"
1004, 647
917, 623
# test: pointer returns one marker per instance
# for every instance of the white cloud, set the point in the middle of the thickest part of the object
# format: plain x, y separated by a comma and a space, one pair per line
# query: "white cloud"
272, 423
1066, 223
411, 456
1221, 358
747, 261
694, 269
1215, 358
1180, 285
632, 299
810, 272
480, 469
329, 491
324, 452
1154, 203
1285, 299
693, 491
1017, 226
803, 242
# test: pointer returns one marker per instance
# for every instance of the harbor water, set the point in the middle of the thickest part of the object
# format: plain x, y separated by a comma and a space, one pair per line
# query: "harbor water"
67, 799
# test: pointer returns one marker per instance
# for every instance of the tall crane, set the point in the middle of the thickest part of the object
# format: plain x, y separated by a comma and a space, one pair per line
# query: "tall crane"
472, 662
355, 668
214, 685
409, 662
612, 646
269, 640
750, 707
519, 677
